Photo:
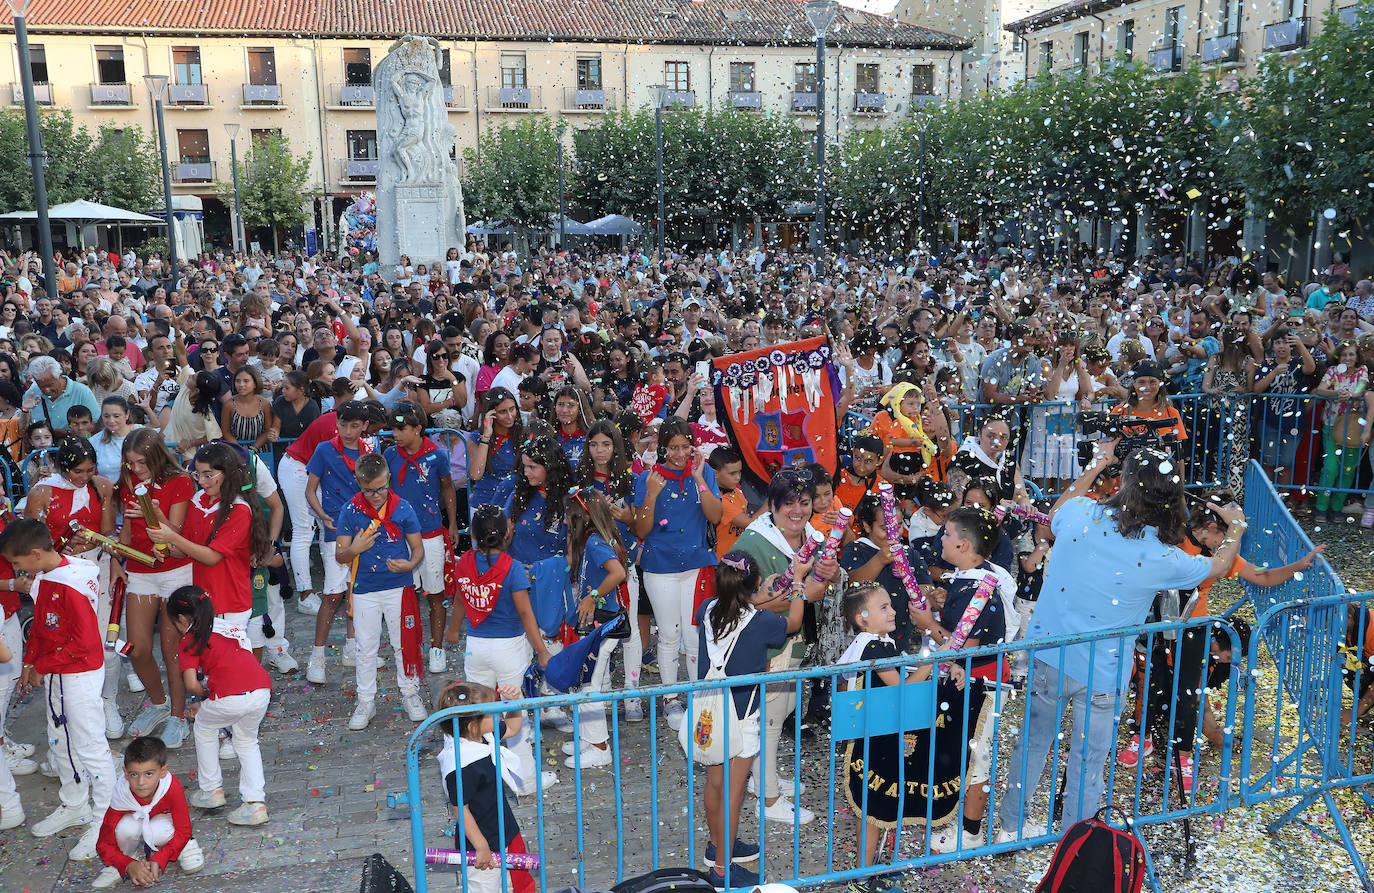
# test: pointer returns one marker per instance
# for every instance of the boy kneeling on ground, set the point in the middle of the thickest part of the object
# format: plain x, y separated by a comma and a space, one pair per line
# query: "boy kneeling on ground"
148, 823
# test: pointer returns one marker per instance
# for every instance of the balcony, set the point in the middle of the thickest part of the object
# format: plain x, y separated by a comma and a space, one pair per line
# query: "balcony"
746, 99
111, 95
682, 98
1168, 58
1349, 15
352, 96
360, 170
587, 100
1221, 49
456, 99
267, 95
514, 99
924, 100
804, 102
1289, 35
870, 103
188, 94
193, 172
42, 93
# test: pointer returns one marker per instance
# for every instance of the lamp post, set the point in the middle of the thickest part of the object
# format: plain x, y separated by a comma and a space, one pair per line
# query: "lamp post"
37, 156
562, 206
660, 93
820, 13
921, 221
157, 88
240, 237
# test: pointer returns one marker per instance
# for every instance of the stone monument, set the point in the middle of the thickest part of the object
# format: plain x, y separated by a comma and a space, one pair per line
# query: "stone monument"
419, 199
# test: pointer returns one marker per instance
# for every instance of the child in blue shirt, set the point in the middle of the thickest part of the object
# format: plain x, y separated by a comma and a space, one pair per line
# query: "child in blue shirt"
379, 536
537, 505
492, 452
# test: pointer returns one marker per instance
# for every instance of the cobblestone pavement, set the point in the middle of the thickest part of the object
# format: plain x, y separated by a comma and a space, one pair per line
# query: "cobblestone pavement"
327, 793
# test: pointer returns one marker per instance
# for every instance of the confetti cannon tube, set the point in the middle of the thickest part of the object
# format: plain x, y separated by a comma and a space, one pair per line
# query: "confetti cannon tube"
112, 547
980, 600
1021, 511
145, 508
512, 861
831, 547
892, 525
804, 554
117, 590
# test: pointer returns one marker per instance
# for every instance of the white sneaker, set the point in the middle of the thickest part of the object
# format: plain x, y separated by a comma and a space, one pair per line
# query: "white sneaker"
149, 719
192, 858
11, 818
362, 715
953, 838
48, 768
114, 723
350, 653
62, 818
438, 662
248, 814
174, 732
281, 660
590, 757
135, 684
207, 799
226, 749
634, 710
556, 717
1028, 830
314, 670
785, 786
674, 711
84, 851
415, 708
786, 812
20, 765
547, 776
108, 877
19, 749
308, 605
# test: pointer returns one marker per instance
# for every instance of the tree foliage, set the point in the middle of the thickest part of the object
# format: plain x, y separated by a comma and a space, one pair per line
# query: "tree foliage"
512, 176
273, 185
119, 167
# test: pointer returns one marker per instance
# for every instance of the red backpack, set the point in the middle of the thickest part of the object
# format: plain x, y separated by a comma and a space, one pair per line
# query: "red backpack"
1096, 857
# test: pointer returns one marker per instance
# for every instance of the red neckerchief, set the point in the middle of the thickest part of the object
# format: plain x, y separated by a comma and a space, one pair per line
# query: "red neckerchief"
564, 438
363, 450
480, 591
359, 502
497, 441
426, 447
679, 476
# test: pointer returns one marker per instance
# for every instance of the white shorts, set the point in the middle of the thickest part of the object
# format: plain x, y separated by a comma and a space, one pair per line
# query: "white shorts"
160, 583
429, 574
980, 748
335, 575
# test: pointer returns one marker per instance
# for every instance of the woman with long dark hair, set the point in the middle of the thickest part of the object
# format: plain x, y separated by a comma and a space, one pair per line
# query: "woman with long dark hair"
492, 451
536, 507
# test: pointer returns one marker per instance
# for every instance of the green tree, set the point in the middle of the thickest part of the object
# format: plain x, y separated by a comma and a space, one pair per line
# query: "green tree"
123, 169
69, 161
272, 186
512, 176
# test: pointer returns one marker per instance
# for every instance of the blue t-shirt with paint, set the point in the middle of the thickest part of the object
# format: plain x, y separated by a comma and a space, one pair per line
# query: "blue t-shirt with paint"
504, 621
532, 540
373, 574
337, 484
595, 554
573, 446
498, 482
420, 486
677, 541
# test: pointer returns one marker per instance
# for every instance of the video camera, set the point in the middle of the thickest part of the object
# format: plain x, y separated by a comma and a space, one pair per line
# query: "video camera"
1136, 433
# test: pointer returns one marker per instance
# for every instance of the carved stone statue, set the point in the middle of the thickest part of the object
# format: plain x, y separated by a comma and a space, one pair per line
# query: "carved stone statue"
419, 199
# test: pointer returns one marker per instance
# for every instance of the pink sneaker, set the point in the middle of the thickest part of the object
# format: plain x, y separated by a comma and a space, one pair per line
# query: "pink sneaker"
1188, 774
1130, 755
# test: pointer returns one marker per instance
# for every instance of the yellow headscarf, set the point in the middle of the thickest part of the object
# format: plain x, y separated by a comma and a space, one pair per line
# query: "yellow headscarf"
892, 400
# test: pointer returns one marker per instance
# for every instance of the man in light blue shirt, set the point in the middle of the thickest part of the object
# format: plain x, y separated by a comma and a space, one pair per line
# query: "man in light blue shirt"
52, 394
1107, 563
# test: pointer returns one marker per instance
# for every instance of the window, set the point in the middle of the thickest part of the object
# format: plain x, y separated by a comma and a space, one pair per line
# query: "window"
193, 146
866, 77
357, 66
1173, 26
260, 135
109, 65
1125, 38
362, 145
513, 71
186, 65
804, 77
677, 76
923, 80
262, 66
445, 72
589, 73
1230, 16
1080, 49
1296, 9
1046, 56
38, 63
742, 77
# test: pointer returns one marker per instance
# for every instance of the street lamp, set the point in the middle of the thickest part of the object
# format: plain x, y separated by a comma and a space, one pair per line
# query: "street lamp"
820, 13
36, 153
157, 88
240, 236
660, 96
562, 198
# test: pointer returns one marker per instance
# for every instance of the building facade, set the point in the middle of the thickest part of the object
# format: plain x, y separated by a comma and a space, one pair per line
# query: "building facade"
995, 58
305, 70
1168, 35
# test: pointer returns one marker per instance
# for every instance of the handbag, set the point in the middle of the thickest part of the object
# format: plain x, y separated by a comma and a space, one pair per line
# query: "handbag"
703, 735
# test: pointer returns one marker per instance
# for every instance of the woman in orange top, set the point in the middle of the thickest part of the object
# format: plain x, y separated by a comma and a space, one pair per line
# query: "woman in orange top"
1148, 400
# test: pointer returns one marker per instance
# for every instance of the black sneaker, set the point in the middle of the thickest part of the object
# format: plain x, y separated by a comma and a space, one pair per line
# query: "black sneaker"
740, 878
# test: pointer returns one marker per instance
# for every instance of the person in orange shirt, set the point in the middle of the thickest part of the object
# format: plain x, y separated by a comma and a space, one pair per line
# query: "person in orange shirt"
898, 426
1149, 400
735, 514
861, 477
1181, 707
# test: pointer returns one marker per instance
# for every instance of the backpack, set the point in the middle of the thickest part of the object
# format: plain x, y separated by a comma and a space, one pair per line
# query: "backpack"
380, 877
677, 880
1096, 857
703, 733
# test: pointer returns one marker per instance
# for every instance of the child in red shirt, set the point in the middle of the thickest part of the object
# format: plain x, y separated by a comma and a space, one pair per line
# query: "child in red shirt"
148, 823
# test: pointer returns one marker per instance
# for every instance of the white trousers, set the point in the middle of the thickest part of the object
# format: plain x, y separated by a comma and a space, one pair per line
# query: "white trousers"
591, 717
335, 575
671, 596
369, 609
241, 714
129, 834
497, 662
13, 637
780, 700
76, 739
276, 612
293, 476
633, 648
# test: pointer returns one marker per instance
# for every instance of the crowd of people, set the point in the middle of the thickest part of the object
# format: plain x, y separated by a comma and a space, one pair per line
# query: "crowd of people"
528, 447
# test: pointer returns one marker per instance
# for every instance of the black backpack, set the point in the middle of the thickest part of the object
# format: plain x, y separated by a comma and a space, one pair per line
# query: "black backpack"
380, 877
678, 880
1096, 857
